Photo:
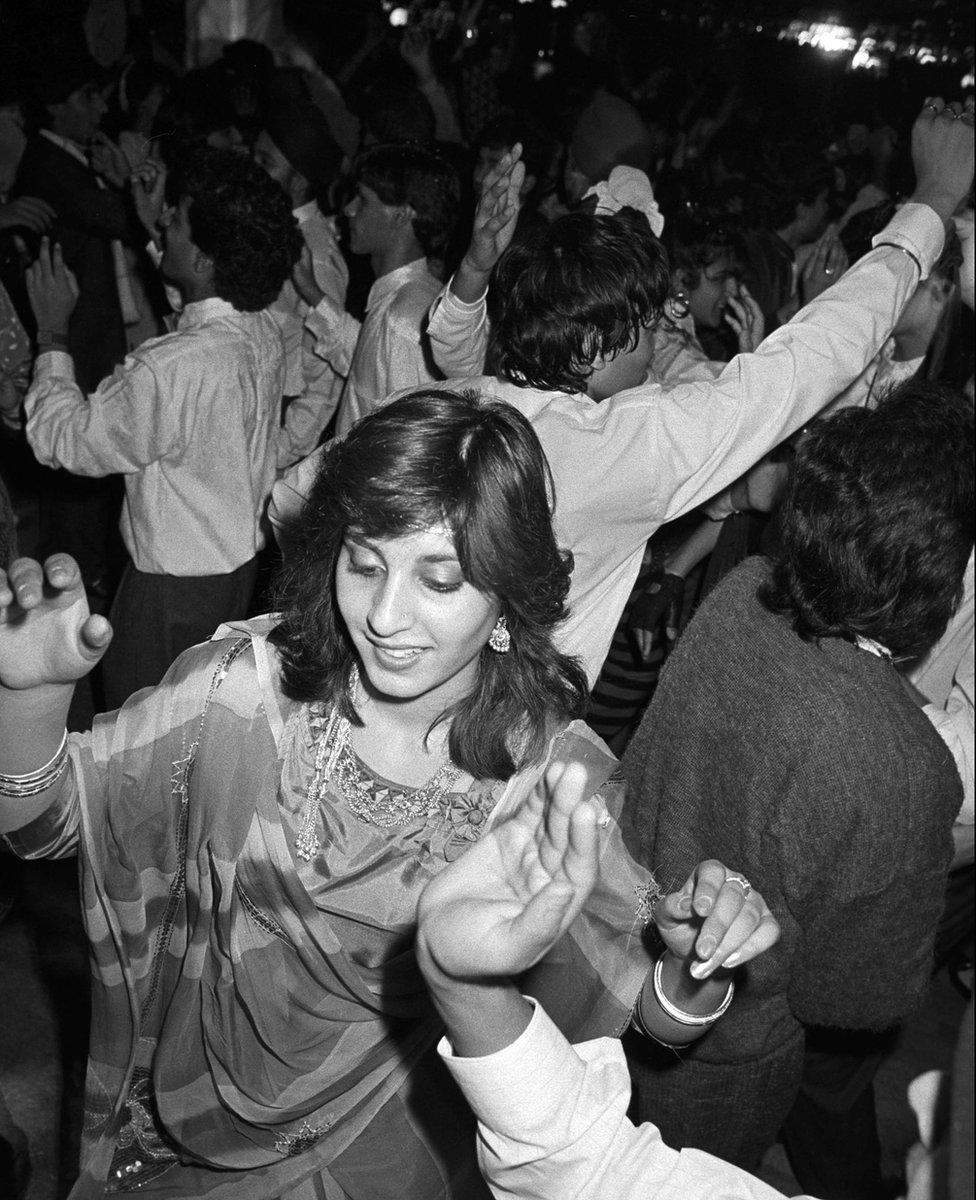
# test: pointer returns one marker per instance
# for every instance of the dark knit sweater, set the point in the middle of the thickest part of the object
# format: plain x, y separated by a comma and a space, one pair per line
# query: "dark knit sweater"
810, 769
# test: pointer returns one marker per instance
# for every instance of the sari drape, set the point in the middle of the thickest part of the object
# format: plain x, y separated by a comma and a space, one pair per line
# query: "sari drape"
281, 1020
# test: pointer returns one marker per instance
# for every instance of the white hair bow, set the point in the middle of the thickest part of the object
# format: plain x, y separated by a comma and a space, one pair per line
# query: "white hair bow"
628, 187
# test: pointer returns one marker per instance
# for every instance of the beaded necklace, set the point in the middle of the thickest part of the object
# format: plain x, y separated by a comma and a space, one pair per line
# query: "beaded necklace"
387, 808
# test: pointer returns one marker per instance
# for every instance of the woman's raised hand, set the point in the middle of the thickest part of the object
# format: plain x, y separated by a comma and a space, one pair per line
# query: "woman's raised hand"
716, 920
47, 635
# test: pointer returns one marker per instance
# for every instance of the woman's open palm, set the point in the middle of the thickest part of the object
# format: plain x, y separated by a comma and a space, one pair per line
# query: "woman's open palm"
47, 635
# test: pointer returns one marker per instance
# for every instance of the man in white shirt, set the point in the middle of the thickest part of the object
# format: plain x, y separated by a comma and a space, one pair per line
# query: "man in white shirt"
297, 150
191, 419
402, 213
627, 457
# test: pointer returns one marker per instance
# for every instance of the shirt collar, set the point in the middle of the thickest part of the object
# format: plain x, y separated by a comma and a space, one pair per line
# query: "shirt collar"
199, 312
72, 148
394, 280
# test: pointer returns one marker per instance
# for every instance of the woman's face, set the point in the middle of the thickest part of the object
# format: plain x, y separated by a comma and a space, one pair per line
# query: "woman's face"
707, 301
417, 624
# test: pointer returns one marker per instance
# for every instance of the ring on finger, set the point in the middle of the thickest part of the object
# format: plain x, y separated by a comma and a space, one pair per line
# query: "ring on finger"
741, 880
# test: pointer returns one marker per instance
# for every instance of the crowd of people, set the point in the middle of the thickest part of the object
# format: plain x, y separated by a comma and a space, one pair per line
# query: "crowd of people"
516, 532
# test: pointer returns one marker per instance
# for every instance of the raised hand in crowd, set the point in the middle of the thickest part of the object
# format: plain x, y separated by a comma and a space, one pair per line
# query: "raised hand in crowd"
52, 290
655, 615
415, 52
27, 212
942, 154
148, 182
494, 225
746, 319
108, 160
47, 634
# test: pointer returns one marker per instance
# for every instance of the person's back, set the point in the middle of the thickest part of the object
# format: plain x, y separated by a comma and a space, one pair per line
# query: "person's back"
781, 734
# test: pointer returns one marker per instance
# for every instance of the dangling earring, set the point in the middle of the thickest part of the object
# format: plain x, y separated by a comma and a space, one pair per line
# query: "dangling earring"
500, 640
678, 306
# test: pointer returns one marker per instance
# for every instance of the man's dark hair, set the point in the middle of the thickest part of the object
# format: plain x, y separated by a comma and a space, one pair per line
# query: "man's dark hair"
242, 220
418, 175
585, 286
877, 523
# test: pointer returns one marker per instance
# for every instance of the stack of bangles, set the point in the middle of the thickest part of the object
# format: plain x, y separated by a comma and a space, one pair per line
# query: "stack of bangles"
693, 1020
19, 787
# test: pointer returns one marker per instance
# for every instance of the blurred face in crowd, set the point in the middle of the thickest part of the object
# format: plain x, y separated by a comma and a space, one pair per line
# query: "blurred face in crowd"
708, 298
79, 115
812, 218
372, 224
268, 156
488, 158
181, 256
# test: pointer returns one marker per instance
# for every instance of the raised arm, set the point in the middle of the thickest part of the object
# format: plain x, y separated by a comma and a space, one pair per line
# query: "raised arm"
458, 325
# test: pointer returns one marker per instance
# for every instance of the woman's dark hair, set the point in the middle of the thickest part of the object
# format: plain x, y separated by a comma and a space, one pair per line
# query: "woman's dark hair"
877, 523
585, 286
430, 458
242, 220
418, 175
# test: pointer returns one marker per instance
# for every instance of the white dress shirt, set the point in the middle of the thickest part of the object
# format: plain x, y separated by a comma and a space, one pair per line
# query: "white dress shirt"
191, 420
553, 1125
624, 467
388, 352
946, 677
313, 384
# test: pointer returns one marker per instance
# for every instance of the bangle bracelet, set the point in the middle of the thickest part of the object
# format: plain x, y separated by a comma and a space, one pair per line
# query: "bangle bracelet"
679, 1015
34, 782
904, 250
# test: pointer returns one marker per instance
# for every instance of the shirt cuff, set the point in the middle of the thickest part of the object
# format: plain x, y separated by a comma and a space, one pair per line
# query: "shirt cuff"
540, 1068
51, 364
916, 229
463, 307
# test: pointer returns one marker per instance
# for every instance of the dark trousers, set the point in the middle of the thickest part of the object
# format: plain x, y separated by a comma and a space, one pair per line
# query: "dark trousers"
156, 617
831, 1134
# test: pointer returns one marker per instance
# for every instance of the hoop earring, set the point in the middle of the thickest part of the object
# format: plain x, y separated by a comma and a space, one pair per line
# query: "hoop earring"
500, 639
678, 306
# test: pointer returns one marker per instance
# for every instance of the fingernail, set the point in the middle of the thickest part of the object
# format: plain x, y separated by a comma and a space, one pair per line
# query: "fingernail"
706, 947
700, 970
732, 960
704, 904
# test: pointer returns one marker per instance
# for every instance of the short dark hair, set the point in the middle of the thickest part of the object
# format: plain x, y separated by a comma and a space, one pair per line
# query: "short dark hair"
397, 112
877, 522
476, 465
696, 235
584, 286
242, 220
418, 175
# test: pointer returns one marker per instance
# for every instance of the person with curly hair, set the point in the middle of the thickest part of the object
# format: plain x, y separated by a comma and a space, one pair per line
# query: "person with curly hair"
402, 214
190, 419
783, 737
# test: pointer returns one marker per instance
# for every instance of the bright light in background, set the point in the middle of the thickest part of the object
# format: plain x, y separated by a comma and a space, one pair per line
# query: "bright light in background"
558, 3
968, 80
830, 38
399, 17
